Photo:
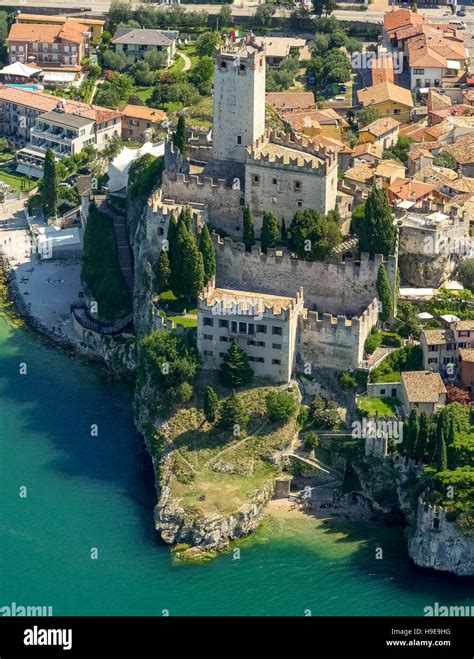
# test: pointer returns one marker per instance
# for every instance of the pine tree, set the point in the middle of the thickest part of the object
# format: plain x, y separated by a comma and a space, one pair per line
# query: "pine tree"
208, 254
384, 291
49, 184
163, 271
248, 236
211, 404
235, 369
412, 430
376, 230
234, 413
269, 233
284, 236
179, 136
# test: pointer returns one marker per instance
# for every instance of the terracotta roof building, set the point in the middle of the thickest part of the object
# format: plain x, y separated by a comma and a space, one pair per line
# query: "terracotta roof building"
390, 100
290, 100
137, 119
408, 190
57, 47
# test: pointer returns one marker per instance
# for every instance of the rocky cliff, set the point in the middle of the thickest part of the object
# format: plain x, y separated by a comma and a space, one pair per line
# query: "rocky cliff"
446, 549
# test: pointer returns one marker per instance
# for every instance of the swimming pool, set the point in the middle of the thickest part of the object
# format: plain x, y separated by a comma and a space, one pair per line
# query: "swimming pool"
30, 87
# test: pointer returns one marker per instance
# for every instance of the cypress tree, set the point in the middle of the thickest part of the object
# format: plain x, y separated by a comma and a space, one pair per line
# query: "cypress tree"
248, 236
412, 430
178, 285
385, 293
234, 412
376, 230
423, 435
186, 217
441, 454
163, 271
193, 268
179, 136
269, 234
211, 404
171, 237
49, 184
284, 236
235, 369
208, 254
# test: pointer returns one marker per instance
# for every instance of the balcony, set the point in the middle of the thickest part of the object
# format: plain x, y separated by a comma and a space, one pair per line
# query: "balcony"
49, 134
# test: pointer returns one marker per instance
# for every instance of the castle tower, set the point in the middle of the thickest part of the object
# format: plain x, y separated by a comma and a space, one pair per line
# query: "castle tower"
239, 99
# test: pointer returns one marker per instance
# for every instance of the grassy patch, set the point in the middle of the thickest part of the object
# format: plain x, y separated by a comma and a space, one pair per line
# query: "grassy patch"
378, 406
215, 472
17, 181
168, 301
143, 93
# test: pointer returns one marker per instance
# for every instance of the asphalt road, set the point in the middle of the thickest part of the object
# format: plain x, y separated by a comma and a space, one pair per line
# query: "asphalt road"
239, 8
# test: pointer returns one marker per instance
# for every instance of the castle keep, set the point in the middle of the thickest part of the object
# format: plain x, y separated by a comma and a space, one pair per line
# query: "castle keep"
251, 166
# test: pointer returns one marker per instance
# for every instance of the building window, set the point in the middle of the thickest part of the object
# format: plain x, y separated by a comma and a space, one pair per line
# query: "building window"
297, 185
208, 322
451, 346
300, 203
260, 344
433, 360
276, 346
251, 328
419, 72
277, 330
239, 139
255, 179
223, 65
276, 362
242, 68
432, 348
274, 181
464, 333
242, 328
233, 327
224, 339
382, 392
223, 323
222, 354
208, 337
251, 342
260, 360
208, 353
261, 329
397, 111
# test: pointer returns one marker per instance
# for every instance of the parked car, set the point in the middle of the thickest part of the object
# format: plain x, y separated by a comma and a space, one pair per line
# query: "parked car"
459, 24
342, 89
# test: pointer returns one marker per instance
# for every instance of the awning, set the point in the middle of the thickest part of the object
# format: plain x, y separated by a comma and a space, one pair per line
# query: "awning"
454, 64
20, 69
58, 76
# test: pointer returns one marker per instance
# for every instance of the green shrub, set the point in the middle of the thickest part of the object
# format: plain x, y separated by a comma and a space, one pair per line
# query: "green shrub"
373, 341
281, 405
391, 339
347, 381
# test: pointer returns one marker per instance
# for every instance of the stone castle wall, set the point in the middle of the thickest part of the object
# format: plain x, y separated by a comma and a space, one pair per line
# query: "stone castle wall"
338, 342
222, 201
335, 288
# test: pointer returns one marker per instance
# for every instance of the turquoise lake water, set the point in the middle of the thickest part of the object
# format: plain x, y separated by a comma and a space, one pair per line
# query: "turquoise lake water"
86, 493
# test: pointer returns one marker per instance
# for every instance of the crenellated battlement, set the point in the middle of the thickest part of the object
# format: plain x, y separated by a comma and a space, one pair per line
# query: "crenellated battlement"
430, 517
315, 322
222, 301
307, 151
195, 181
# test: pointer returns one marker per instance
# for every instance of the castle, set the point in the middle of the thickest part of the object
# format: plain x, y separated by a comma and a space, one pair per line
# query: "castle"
250, 166
287, 314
